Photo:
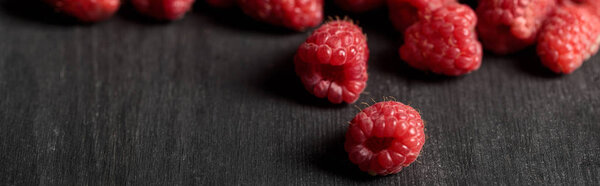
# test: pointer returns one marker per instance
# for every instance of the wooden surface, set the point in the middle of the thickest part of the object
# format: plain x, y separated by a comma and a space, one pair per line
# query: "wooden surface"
213, 100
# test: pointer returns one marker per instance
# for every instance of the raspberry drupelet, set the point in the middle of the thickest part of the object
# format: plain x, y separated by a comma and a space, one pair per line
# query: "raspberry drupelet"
359, 5
569, 37
593, 5
404, 13
163, 9
384, 138
293, 14
444, 42
332, 62
86, 10
507, 26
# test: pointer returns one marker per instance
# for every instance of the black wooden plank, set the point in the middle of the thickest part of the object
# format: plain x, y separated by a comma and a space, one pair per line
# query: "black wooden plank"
213, 100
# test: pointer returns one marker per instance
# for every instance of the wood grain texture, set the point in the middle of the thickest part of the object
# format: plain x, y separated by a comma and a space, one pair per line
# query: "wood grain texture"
213, 100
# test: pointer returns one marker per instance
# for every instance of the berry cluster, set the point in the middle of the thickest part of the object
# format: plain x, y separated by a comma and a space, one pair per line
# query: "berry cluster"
440, 36
293, 14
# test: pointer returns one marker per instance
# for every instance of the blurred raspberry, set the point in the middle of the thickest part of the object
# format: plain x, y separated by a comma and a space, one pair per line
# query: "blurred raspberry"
404, 13
359, 5
444, 42
593, 5
294, 14
163, 9
569, 37
506, 26
86, 10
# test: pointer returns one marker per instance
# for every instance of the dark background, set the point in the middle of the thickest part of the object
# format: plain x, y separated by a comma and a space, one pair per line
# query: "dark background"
212, 99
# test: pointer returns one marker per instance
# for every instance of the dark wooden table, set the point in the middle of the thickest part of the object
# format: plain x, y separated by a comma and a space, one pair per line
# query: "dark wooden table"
213, 100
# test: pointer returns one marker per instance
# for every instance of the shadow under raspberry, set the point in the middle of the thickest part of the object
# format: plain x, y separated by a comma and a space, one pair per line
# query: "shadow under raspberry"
129, 13
281, 80
330, 156
37, 11
528, 61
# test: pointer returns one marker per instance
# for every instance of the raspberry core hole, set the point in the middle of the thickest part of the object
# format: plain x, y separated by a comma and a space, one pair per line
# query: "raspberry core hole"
332, 73
376, 144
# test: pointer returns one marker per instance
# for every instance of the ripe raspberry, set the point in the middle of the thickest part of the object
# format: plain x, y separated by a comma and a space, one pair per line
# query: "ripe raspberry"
569, 37
294, 14
359, 5
444, 42
221, 3
86, 10
385, 137
332, 62
163, 9
506, 26
404, 13
594, 5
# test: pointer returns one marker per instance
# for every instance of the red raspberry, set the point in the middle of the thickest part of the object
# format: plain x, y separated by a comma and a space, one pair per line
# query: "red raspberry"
444, 42
221, 3
163, 9
569, 37
294, 14
359, 5
87, 10
385, 137
404, 13
506, 26
594, 5
332, 62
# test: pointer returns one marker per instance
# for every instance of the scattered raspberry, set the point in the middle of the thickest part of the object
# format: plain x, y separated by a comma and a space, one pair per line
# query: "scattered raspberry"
569, 37
163, 9
444, 42
506, 26
404, 13
221, 3
332, 62
359, 5
87, 10
293, 14
385, 137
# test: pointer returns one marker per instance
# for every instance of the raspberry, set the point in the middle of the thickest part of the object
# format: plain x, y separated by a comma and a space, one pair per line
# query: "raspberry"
385, 137
294, 14
86, 10
594, 5
404, 13
163, 9
359, 5
332, 62
444, 42
221, 3
506, 26
569, 37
